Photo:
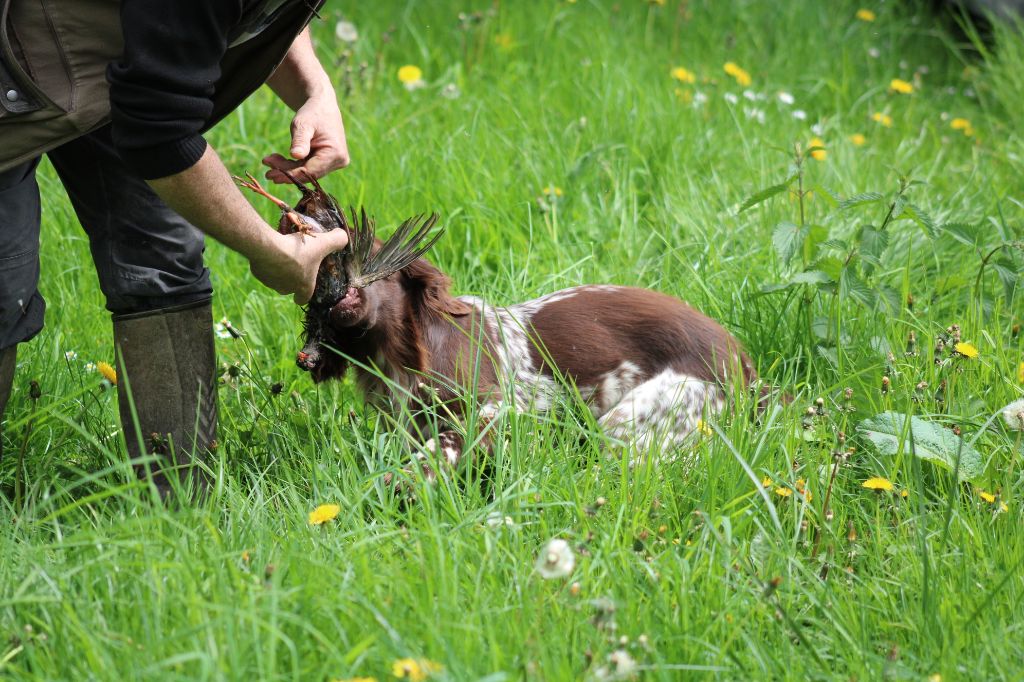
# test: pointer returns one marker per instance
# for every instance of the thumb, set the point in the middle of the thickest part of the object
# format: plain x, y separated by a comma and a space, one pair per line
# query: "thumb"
335, 240
301, 135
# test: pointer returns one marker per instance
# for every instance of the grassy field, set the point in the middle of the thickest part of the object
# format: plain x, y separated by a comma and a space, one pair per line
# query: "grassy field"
562, 143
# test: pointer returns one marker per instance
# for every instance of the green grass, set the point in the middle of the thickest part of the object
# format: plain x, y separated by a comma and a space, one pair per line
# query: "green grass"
724, 581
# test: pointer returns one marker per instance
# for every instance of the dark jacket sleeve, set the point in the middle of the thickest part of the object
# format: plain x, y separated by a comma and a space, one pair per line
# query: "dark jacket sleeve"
161, 89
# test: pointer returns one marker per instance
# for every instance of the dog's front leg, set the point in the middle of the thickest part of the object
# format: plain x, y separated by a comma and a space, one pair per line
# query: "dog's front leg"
445, 451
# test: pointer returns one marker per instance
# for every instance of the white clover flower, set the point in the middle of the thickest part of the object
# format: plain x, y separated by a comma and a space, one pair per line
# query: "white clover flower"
755, 113
497, 520
874, 52
750, 94
90, 367
786, 98
346, 31
1013, 414
70, 355
451, 91
699, 98
731, 98
818, 129
556, 560
800, 114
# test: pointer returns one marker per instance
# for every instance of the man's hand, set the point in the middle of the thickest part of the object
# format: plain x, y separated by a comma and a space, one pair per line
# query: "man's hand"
318, 134
318, 142
291, 264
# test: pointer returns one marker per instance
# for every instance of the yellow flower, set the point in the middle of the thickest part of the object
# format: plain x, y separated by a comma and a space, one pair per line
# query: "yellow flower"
800, 484
107, 371
766, 482
1020, 373
415, 670
818, 154
702, 427
884, 119
686, 95
865, 15
966, 350
988, 497
901, 86
904, 494
963, 125
741, 75
549, 190
858, 139
323, 514
877, 483
683, 74
410, 74
783, 492
504, 41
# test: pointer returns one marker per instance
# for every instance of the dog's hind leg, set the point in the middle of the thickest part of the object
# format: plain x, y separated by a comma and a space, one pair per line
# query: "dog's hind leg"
659, 414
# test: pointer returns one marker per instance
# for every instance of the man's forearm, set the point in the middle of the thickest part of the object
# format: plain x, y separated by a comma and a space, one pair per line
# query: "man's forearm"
300, 75
207, 197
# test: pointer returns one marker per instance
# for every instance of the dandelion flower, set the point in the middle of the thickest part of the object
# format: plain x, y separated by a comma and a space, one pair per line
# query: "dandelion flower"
988, 497
411, 77
504, 41
766, 482
413, 669
877, 483
556, 560
818, 154
107, 371
858, 139
346, 32
866, 15
702, 427
740, 74
963, 125
323, 514
683, 74
222, 329
783, 492
1013, 414
966, 350
621, 666
883, 119
901, 86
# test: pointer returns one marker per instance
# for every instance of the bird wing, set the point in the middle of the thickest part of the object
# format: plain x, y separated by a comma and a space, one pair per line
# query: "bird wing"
409, 242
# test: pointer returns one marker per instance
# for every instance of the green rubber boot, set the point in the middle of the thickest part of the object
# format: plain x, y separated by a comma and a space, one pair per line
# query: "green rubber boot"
167, 391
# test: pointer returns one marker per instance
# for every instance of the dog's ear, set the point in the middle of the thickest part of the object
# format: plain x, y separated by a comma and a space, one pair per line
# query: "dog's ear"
428, 287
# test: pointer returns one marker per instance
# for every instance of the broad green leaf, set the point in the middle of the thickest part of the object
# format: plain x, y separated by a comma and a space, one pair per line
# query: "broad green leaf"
807, 277
932, 442
853, 287
1008, 273
766, 194
859, 200
788, 238
965, 233
919, 216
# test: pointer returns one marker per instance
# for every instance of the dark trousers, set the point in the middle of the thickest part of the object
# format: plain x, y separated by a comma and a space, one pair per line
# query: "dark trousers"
147, 256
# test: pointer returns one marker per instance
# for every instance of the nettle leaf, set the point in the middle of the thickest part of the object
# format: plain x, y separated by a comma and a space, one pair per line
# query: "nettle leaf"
806, 277
788, 238
766, 194
1008, 273
919, 216
965, 233
873, 242
852, 286
859, 200
830, 197
932, 442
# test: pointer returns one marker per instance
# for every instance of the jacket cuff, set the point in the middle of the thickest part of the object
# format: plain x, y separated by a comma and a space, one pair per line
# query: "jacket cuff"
168, 158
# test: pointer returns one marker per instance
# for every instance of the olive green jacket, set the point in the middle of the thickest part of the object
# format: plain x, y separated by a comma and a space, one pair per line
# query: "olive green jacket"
53, 61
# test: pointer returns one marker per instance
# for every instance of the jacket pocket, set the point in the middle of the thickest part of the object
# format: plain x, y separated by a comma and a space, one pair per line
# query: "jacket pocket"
33, 66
